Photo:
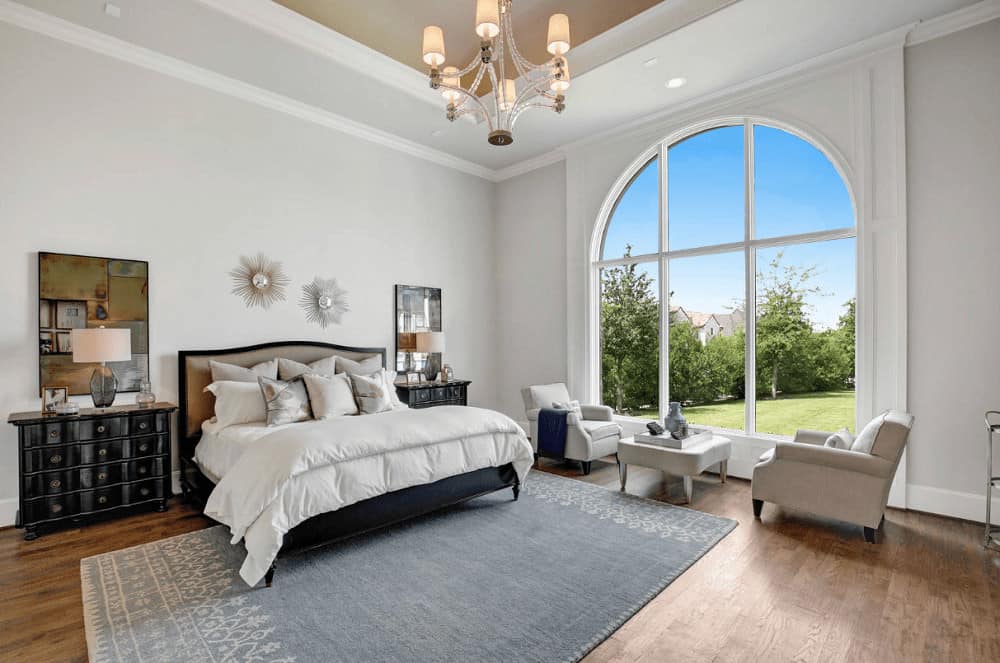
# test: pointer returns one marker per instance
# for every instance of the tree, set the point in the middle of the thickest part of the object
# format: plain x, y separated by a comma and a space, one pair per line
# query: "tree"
630, 321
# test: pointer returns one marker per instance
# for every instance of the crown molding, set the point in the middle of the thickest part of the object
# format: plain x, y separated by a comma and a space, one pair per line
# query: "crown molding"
51, 26
528, 165
960, 19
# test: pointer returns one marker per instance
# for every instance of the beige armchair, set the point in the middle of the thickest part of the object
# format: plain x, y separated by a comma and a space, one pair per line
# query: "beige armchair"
588, 437
849, 485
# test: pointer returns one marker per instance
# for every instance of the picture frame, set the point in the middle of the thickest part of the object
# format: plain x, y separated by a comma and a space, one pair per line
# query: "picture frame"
447, 374
53, 396
413, 378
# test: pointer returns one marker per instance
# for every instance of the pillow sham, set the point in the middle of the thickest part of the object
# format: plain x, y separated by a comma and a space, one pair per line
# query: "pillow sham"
286, 402
363, 367
370, 392
288, 368
237, 403
222, 372
330, 396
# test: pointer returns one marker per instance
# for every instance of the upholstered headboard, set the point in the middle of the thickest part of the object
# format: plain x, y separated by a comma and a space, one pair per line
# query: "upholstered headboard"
194, 375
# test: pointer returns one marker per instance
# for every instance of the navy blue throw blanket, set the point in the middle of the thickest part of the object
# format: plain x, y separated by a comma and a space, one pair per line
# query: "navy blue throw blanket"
552, 432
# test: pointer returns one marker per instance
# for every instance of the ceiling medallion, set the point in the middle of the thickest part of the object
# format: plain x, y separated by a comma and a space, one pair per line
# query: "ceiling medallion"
532, 85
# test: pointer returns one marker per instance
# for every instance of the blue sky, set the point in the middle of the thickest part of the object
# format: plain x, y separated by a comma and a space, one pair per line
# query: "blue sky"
797, 190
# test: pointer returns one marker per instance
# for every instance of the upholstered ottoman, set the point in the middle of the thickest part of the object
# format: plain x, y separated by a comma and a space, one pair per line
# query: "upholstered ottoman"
685, 463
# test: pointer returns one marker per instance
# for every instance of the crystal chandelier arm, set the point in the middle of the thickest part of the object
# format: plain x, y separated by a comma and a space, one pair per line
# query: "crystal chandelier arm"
517, 112
522, 63
482, 109
496, 97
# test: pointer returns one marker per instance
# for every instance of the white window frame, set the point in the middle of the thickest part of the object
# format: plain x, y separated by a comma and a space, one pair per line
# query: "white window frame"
748, 246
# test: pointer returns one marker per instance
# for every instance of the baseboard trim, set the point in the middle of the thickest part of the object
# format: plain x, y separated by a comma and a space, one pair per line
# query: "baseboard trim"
8, 511
951, 503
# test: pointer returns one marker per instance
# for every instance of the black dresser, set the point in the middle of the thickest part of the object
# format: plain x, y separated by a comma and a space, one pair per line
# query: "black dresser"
429, 394
100, 462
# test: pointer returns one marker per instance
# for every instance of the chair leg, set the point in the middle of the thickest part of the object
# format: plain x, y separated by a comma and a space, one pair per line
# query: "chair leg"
758, 506
623, 474
586, 467
269, 576
688, 487
869, 535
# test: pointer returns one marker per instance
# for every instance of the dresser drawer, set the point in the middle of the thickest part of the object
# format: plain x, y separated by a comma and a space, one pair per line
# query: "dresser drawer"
456, 392
103, 498
441, 393
148, 446
52, 432
49, 483
99, 429
147, 468
102, 475
50, 458
54, 507
102, 452
422, 395
145, 490
144, 424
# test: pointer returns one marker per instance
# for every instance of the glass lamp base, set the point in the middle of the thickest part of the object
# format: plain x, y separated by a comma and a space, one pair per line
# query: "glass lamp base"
103, 386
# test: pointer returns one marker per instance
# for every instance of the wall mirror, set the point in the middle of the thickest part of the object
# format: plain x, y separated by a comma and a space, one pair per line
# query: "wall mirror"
418, 309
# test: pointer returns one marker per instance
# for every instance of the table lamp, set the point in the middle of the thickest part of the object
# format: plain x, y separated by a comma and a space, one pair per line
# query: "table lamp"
430, 342
102, 345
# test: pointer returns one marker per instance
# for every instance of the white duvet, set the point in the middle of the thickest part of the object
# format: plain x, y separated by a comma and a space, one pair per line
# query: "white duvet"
306, 469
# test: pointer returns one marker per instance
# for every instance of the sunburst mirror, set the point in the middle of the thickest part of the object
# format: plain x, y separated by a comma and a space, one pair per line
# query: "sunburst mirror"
259, 281
324, 302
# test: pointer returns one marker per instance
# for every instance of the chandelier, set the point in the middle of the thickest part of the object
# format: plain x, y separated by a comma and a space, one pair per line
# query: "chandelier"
516, 85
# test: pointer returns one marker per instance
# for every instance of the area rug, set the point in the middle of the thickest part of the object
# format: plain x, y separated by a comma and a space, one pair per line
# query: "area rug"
545, 578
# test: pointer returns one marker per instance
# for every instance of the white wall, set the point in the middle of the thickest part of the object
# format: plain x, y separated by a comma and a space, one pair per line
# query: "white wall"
953, 170
100, 157
531, 284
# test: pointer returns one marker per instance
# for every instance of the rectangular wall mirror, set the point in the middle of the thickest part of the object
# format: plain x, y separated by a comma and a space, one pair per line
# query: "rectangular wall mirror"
418, 308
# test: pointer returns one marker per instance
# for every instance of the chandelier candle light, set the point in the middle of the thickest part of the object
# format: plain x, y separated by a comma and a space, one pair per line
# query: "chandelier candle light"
530, 85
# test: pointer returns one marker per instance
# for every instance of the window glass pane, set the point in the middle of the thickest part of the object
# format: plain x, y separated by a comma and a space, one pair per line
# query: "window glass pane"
705, 189
708, 338
796, 188
805, 337
635, 221
630, 339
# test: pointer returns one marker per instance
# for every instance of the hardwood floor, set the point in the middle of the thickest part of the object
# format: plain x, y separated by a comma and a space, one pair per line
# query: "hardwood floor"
793, 587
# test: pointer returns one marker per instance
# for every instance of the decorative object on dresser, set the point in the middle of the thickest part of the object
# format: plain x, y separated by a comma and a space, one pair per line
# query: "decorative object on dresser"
77, 293
418, 309
324, 302
259, 280
98, 462
431, 343
429, 394
102, 345
53, 397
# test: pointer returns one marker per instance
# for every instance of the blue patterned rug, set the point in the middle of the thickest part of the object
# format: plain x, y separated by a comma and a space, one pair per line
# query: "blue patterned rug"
546, 578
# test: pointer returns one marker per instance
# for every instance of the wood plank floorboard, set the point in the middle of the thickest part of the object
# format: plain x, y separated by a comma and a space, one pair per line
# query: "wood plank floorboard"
792, 587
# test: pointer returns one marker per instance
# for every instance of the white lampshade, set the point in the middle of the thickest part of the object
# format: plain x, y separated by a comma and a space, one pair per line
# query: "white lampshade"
558, 34
101, 344
433, 45
509, 94
430, 341
560, 85
448, 77
487, 19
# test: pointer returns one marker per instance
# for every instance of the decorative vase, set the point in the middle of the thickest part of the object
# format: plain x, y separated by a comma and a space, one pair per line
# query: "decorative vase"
145, 397
674, 421
103, 386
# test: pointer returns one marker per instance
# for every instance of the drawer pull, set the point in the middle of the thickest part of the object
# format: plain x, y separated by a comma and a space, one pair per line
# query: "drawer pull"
142, 469
101, 476
143, 426
55, 483
56, 508
101, 428
102, 452
143, 447
103, 499
55, 460
144, 491
54, 434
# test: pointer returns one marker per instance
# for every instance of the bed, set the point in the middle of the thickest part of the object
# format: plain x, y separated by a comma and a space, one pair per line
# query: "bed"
287, 489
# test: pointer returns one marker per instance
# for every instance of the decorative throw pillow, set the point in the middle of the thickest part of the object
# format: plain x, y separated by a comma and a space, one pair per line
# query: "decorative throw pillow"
842, 439
572, 406
866, 438
363, 367
286, 402
237, 403
222, 372
330, 396
370, 393
288, 369
545, 395
389, 378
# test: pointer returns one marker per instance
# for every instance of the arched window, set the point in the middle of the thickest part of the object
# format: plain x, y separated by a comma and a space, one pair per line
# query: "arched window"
730, 254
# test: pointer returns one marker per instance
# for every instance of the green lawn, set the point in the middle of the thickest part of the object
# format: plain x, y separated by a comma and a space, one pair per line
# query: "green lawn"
823, 410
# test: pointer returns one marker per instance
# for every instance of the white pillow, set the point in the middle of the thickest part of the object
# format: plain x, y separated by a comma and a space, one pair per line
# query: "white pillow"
222, 372
390, 383
572, 406
865, 440
842, 439
289, 369
371, 394
237, 403
330, 396
363, 367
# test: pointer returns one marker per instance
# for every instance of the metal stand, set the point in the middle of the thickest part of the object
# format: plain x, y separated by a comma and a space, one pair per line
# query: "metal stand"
992, 535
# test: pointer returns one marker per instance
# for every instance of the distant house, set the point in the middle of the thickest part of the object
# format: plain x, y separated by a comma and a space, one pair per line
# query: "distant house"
709, 325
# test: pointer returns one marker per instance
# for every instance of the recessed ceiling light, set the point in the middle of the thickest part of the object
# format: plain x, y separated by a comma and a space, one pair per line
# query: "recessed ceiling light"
674, 83
651, 62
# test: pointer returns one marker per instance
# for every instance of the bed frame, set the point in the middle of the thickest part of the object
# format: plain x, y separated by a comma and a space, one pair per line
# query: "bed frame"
326, 528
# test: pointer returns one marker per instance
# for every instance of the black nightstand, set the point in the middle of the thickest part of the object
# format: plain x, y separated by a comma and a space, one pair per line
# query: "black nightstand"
100, 462
429, 394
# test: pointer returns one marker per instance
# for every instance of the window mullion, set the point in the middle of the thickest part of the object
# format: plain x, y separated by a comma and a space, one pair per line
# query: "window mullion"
750, 305
664, 280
